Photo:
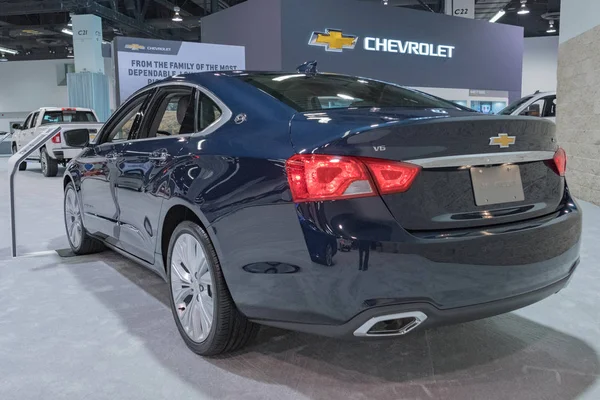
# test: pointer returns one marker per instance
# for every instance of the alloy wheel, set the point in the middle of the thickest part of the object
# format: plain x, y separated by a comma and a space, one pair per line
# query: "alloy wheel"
192, 287
73, 218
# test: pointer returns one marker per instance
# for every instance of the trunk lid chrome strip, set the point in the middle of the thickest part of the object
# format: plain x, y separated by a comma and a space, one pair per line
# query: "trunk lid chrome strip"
470, 160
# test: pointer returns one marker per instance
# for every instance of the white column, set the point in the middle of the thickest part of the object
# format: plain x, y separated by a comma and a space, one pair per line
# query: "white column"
461, 8
87, 43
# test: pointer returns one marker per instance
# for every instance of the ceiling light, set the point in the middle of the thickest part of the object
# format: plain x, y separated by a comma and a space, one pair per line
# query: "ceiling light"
523, 10
70, 23
67, 31
498, 15
3, 58
551, 28
176, 16
385, 2
9, 51
70, 55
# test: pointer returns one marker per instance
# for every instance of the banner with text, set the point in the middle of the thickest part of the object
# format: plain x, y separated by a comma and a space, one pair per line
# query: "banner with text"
140, 62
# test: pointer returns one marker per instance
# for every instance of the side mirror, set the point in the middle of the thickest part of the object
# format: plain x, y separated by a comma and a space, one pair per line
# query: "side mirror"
17, 127
77, 137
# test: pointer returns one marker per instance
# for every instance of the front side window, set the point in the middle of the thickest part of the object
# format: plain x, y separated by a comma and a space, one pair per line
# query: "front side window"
125, 121
56, 117
26, 123
33, 120
534, 109
328, 91
512, 107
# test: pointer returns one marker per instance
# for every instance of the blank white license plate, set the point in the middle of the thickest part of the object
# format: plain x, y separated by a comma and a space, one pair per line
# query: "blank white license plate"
495, 185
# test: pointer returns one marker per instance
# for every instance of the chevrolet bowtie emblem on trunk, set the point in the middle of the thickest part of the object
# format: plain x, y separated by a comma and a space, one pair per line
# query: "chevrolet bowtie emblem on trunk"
333, 40
502, 140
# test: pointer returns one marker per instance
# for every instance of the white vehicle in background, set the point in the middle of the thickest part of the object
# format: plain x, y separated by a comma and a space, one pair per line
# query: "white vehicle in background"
55, 151
539, 104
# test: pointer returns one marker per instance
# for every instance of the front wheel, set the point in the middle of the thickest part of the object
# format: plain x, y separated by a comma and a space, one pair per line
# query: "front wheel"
204, 311
49, 164
81, 243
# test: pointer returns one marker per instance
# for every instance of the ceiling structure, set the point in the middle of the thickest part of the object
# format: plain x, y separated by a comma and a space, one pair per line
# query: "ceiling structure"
33, 27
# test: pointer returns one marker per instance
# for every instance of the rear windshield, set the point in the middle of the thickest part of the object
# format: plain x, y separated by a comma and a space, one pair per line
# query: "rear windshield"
53, 117
324, 91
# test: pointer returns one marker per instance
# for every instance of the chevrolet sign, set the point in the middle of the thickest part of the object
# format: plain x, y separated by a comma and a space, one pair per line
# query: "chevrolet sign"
406, 47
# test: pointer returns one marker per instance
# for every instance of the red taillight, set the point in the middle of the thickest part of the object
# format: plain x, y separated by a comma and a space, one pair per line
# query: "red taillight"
56, 138
560, 159
317, 177
392, 177
559, 162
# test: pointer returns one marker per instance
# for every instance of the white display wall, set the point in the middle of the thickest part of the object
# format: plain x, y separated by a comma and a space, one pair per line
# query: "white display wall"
27, 85
540, 62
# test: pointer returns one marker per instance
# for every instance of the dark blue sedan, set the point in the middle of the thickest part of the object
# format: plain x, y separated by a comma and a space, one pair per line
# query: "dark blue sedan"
324, 203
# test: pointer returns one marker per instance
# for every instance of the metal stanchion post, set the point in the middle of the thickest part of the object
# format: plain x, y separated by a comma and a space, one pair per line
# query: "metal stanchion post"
13, 165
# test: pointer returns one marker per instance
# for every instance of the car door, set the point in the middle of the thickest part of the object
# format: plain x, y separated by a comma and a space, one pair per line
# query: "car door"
98, 169
33, 125
144, 165
21, 136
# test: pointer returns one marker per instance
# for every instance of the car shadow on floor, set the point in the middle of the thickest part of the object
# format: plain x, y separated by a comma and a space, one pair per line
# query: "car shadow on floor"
505, 357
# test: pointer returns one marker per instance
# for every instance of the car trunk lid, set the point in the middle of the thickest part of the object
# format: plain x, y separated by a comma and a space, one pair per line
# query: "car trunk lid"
477, 170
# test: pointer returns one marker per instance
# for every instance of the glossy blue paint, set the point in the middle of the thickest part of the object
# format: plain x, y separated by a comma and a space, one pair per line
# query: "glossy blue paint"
328, 262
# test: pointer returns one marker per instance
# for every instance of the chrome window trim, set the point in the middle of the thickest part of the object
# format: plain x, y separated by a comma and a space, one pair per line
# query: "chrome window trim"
469, 160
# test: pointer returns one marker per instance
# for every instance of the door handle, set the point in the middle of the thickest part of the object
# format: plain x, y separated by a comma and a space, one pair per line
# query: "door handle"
161, 156
158, 157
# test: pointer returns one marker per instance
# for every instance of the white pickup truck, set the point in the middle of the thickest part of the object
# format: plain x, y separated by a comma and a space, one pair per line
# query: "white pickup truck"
55, 151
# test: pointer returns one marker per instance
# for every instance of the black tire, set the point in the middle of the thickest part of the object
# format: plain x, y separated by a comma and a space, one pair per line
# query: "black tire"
23, 165
230, 329
88, 244
49, 164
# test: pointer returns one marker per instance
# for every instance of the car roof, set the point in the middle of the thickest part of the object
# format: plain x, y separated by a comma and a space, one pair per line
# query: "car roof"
542, 94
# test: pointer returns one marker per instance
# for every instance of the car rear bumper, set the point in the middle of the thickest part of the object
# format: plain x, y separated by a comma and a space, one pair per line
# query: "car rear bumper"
65, 153
443, 274
434, 316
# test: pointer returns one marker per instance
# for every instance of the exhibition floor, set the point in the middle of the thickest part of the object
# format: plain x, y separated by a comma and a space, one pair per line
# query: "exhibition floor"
99, 327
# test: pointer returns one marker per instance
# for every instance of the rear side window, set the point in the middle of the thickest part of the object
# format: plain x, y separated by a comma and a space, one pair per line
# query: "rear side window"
325, 91
54, 117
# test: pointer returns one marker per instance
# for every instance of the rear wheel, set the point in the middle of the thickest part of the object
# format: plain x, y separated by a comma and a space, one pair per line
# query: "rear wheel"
204, 311
23, 165
79, 240
49, 164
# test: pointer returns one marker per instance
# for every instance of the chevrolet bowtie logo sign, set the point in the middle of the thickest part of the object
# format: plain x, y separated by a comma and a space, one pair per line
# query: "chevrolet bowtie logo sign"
333, 40
502, 140
135, 46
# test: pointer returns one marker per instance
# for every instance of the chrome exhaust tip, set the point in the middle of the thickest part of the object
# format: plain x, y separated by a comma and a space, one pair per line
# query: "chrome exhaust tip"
391, 325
